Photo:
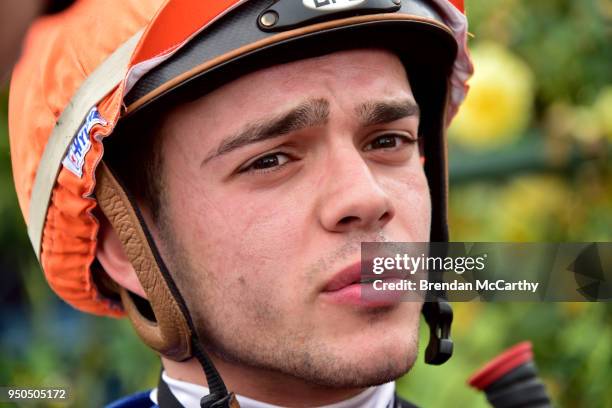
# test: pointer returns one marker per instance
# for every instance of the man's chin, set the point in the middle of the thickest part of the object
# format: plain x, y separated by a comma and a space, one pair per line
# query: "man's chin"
342, 351
334, 364
361, 372
362, 360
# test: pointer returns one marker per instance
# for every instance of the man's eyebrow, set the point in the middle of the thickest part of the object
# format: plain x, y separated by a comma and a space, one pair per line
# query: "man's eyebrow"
311, 113
378, 112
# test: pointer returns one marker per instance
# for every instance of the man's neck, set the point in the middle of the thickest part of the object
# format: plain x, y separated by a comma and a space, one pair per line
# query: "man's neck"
261, 385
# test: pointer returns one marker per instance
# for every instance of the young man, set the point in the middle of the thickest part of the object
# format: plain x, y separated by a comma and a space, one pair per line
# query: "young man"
254, 147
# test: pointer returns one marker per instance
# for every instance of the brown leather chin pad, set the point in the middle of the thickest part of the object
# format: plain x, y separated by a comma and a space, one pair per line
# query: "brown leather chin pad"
169, 334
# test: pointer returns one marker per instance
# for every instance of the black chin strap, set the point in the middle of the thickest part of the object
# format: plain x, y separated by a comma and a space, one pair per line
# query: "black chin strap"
219, 397
439, 316
166, 399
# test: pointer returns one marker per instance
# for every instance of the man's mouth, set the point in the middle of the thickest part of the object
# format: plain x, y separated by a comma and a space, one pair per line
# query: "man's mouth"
350, 286
346, 277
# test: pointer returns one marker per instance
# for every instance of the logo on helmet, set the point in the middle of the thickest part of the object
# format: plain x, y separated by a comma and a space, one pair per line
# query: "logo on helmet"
75, 158
331, 5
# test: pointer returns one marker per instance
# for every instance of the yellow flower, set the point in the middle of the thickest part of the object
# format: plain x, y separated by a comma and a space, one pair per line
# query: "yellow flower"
587, 125
534, 207
603, 108
498, 107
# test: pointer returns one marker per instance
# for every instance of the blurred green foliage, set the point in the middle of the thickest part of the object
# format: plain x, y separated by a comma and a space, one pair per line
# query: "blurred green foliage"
552, 182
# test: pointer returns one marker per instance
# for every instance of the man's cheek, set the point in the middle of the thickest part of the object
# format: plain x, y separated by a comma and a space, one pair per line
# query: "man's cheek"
270, 232
409, 188
412, 202
260, 302
251, 273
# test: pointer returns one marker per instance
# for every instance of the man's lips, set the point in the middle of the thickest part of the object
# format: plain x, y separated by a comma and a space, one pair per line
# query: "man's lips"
347, 288
352, 275
347, 276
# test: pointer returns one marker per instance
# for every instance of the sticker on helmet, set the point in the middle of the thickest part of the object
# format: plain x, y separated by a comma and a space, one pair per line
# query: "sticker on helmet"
331, 5
75, 158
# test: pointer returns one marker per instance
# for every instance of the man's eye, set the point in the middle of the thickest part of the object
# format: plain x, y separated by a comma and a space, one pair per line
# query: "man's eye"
269, 161
388, 141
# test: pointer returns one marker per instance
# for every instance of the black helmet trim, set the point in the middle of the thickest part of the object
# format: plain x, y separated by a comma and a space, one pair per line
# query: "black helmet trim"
238, 35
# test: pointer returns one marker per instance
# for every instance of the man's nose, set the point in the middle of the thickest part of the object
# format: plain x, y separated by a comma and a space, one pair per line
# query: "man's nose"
351, 196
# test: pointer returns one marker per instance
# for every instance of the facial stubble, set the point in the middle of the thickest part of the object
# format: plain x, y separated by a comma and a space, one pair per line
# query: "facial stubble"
295, 352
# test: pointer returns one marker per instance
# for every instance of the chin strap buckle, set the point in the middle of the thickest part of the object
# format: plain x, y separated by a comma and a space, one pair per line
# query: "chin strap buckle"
219, 401
439, 316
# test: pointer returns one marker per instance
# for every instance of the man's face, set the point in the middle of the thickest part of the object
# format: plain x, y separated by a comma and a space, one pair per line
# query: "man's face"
269, 185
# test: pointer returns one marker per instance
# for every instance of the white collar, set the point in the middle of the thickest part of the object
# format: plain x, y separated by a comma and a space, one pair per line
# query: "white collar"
189, 395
